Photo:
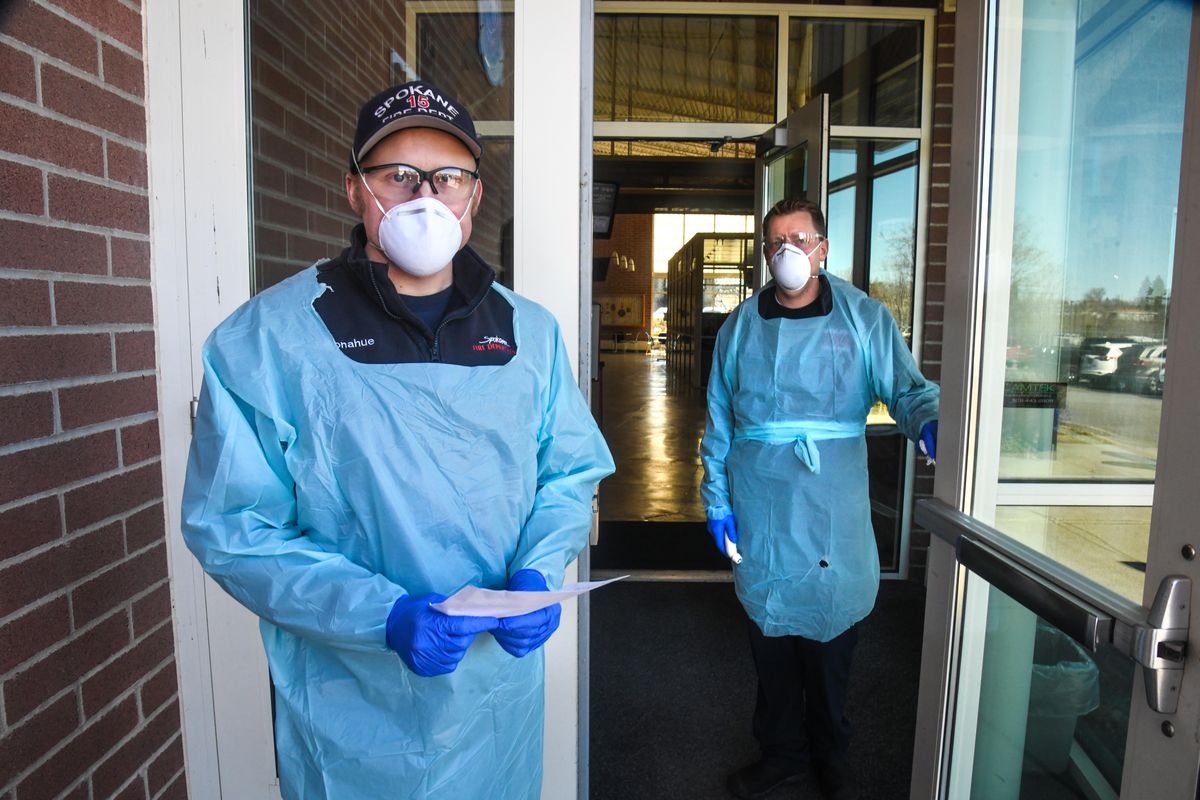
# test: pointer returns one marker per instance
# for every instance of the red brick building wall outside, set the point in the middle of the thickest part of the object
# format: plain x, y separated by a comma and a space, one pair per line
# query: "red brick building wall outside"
88, 699
935, 256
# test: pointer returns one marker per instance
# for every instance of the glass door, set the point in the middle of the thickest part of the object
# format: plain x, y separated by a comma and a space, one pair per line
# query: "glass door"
868, 188
1062, 563
792, 160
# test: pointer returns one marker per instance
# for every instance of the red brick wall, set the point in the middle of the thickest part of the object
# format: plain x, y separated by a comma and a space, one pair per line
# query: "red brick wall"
303, 113
88, 703
935, 256
632, 236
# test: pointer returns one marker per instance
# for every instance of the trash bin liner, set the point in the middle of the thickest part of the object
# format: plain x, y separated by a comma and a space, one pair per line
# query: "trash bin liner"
1064, 686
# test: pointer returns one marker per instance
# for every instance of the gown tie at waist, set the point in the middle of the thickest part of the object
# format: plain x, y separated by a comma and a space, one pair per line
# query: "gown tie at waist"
804, 435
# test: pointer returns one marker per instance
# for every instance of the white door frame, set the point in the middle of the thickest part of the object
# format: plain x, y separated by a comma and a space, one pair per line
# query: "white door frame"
197, 154
549, 248
200, 244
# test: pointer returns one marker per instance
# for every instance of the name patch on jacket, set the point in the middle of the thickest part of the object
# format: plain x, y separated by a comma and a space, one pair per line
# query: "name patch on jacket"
494, 343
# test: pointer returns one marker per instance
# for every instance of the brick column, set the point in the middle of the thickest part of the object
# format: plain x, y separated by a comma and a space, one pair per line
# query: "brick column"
935, 256
88, 702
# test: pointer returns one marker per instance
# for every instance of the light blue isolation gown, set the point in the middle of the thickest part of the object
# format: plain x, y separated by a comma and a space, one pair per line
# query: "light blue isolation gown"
785, 449
320, 489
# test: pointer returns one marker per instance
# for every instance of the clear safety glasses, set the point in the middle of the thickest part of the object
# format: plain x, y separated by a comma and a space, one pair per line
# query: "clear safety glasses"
802, 239
399, 182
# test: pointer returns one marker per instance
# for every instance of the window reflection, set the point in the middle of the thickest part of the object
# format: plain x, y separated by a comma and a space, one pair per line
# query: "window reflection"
473, 53
1096, 183
685, 68
1050, 718
1106, 543
873, 220
871, 69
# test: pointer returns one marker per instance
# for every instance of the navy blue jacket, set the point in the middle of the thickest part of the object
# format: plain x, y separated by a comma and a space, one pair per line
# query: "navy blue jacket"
371, 324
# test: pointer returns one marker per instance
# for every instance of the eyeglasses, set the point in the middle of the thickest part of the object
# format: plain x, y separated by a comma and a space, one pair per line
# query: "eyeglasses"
398, 181
803, 239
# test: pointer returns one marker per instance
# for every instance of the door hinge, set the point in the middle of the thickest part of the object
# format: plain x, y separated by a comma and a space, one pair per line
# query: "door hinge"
194, 409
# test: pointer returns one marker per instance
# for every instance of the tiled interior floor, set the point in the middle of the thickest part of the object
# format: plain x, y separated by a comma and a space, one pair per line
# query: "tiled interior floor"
653, 428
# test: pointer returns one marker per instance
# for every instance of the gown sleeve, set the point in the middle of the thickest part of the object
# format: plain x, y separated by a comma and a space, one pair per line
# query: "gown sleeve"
718, 427
897, 381
572, 458
240, 521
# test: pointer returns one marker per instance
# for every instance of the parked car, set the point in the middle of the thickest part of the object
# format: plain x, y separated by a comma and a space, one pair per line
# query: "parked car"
1098, 360
1154, 384
1138, 369
1056, 359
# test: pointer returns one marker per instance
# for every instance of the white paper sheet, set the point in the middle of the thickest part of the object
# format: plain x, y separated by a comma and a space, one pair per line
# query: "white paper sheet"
471, 601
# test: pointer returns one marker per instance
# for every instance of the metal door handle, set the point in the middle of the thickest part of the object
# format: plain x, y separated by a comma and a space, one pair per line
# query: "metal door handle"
1160, 644
1156, 638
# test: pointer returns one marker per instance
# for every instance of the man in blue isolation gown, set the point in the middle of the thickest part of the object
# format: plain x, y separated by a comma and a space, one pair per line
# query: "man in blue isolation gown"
374, 434
795, 372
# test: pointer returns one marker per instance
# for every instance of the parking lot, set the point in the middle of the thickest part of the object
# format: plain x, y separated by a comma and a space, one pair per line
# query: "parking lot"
1101, 435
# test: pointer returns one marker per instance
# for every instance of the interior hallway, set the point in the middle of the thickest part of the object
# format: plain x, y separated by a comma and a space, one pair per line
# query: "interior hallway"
672, 682
653, 428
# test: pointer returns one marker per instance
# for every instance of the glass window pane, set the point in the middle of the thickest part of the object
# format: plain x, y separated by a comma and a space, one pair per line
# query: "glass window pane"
841, 233
871, 69
887, 149
684, 68
873, 219
1049, 717
1094, 184
893, 243
472, 53
843, 161
1105, 543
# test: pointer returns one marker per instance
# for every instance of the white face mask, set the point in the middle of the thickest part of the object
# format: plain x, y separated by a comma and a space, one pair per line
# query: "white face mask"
420, 236
792, 267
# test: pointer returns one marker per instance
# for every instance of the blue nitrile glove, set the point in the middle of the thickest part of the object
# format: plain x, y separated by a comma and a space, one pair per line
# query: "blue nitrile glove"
520, 636
720, 527
929, 439
428, 641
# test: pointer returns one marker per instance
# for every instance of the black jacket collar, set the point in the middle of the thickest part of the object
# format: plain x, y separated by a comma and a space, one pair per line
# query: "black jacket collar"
472, 278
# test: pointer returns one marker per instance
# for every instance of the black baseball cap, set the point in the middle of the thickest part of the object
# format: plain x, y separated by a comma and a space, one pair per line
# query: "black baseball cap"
417, 104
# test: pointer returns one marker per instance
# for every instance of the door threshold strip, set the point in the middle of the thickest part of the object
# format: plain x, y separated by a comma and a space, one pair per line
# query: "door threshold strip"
666, 575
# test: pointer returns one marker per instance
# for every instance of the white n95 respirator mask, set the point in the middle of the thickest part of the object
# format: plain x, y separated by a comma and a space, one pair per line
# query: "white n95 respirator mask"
420, 236
792, 267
